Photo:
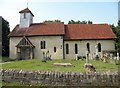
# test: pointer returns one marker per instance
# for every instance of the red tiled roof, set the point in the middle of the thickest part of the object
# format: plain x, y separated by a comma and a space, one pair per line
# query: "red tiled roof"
49, 28
88, 31
26, 10
71, 31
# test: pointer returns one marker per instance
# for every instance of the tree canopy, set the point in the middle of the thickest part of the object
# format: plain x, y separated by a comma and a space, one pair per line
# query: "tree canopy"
51, 21
71, 21
79, 22
5, 39
116, 30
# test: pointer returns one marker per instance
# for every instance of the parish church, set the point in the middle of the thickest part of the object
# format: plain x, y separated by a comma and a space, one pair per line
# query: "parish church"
57, 40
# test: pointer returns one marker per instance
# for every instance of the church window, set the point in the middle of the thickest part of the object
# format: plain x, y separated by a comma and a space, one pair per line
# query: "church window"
99, 47
43, 44
24, 15
88, 47
76, 49
67, 49
54, 49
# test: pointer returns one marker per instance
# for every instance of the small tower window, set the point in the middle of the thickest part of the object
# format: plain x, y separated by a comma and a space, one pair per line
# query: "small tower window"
24, 15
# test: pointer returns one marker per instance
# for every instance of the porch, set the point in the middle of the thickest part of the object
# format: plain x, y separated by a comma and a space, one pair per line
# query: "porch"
25, 49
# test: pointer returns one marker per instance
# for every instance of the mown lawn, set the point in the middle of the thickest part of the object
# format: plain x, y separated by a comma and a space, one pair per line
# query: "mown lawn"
6, 59
78, 66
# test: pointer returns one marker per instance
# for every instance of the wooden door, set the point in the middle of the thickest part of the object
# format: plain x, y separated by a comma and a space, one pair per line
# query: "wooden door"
25, 53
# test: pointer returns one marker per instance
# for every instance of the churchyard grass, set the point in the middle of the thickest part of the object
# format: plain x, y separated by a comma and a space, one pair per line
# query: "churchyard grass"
38, 65
6, 59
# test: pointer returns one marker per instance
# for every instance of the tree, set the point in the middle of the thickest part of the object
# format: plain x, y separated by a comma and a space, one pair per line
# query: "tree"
118, 36
116, 30
5, 39
79, 22
89, 22
113, 28
51, 21
84, 22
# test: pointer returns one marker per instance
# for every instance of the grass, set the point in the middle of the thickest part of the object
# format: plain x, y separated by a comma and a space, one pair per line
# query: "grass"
37, 64
6, 59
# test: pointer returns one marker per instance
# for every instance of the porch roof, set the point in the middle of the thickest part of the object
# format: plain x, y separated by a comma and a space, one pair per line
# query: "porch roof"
25, 42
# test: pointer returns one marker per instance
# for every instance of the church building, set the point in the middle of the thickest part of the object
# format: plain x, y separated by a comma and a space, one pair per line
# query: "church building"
57, 40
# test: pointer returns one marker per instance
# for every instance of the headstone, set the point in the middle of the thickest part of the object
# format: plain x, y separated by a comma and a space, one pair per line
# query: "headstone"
111, 56
76, 56
115, 58
118, 56
87, 54
97, 57
44, 58
96, 48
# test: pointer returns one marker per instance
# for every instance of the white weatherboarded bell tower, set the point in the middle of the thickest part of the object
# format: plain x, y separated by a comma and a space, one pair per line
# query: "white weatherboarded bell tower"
26, 18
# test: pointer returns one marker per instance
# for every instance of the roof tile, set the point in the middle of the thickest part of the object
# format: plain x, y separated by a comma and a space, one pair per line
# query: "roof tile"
53, 28
88, 31
71, 31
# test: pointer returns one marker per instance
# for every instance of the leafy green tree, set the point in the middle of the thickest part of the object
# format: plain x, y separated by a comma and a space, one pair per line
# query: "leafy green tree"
113, 28
89, 22
84, 22
5, 39
51, 21
118, 36
116, 30
71, 22
57, 21
79, 22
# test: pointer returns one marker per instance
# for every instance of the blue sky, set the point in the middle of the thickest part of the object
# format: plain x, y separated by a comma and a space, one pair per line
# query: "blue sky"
96, 11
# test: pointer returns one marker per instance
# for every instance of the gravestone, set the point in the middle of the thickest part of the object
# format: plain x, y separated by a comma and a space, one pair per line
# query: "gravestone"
118, 56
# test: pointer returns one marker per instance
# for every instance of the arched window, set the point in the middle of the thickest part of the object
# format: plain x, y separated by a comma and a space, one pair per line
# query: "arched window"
88, 47
76, 49
42, 44
54, 49
99, 47
67, 49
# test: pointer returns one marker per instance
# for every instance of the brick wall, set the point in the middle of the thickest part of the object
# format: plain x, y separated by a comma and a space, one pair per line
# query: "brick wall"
60, 78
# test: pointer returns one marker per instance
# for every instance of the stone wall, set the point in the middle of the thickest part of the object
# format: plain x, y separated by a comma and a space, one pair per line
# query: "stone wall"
61, 78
